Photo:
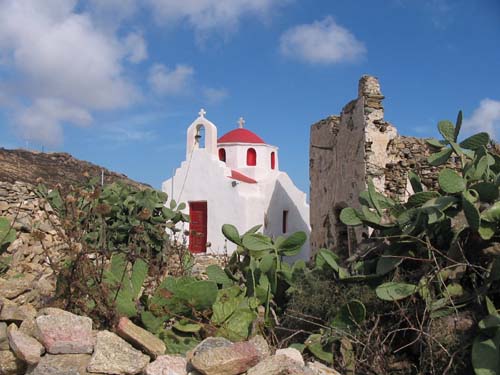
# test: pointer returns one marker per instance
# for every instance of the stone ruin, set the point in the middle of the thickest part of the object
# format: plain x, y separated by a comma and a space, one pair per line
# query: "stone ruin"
347, 151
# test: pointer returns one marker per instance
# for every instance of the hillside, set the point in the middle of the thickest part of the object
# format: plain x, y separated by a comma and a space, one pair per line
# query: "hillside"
53, 168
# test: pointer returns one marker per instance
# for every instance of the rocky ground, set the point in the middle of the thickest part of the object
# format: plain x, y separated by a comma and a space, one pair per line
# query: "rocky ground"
53, 168
55, 342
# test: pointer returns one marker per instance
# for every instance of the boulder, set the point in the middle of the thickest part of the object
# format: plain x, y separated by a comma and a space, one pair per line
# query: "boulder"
140, 338
261, 345
113, 355
11, 312
10, 365
321, 369
293, 354
226, 360
4, 340
279, 365
65, 333
208, 344
14, 287
62, 364
167, 365
25, 347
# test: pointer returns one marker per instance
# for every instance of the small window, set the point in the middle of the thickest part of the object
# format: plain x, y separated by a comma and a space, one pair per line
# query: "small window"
273, 160
222, 154
285, 221
251, 157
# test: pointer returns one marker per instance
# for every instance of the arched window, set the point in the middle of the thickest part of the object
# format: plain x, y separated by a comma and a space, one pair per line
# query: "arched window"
200, 136
273, 160
251, 157
222, 154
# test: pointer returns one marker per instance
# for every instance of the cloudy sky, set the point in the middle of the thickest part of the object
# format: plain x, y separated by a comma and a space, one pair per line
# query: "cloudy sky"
117, 82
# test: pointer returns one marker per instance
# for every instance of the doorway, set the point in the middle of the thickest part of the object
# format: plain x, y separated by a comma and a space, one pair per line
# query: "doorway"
198, 227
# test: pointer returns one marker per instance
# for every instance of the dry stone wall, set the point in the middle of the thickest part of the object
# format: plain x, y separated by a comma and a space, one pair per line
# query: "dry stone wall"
31, 258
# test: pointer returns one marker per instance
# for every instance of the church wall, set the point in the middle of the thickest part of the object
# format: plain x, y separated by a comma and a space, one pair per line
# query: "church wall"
284, 195
207, 181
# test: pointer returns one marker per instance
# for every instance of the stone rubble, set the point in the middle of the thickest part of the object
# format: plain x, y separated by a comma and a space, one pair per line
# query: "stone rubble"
65, 334
113, 355
39, 340
140, 338
30, 277
41, 347
226, 360
24, 347
167, 365
279, 365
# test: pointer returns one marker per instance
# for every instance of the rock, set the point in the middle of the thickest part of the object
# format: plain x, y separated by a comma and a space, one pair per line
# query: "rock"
28, 327
11, 312
4, 206
62, 364
261, 345
24, 346
321, 369
16, 286
23, 224
141, 338
208, 344
167, 365
279, 365
4, 340
65, 333
113, 355
293, 354
53, 311
10, 365
226, 360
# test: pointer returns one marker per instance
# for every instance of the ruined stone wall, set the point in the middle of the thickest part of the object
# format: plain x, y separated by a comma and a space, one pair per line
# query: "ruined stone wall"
348, 151
410, 153
337, 171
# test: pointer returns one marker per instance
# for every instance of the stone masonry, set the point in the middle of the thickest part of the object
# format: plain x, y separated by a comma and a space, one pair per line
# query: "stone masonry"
347, 151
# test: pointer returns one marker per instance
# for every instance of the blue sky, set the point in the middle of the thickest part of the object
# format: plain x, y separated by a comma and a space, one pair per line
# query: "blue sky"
117, 82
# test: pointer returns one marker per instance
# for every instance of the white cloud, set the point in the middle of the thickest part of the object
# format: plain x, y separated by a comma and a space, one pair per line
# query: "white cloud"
170, 82
54, 52
136, 47
111, 12
321, 42
209, 15
485, 118
43, 120
214, 96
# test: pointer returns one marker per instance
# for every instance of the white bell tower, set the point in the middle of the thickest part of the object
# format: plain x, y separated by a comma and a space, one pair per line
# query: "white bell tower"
199, 128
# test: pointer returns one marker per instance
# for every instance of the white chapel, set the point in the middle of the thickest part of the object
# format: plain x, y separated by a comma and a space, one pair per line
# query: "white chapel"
234, 179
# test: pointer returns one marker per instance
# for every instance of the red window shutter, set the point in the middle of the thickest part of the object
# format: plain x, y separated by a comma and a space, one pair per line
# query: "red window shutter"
273, 160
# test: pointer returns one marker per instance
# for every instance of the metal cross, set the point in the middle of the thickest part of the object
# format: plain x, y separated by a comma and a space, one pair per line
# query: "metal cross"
202, 112
241, 122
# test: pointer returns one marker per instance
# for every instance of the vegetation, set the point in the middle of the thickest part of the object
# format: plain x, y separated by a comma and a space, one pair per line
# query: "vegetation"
434, 259
7, 236
417, 297
116, 240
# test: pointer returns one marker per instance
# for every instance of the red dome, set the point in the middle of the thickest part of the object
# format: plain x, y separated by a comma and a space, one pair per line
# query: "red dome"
240, 135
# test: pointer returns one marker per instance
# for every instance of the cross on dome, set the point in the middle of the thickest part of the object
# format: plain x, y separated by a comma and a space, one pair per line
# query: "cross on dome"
202, 112
241, 122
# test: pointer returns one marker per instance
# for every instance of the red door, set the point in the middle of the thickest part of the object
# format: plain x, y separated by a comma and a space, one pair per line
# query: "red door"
198, 227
